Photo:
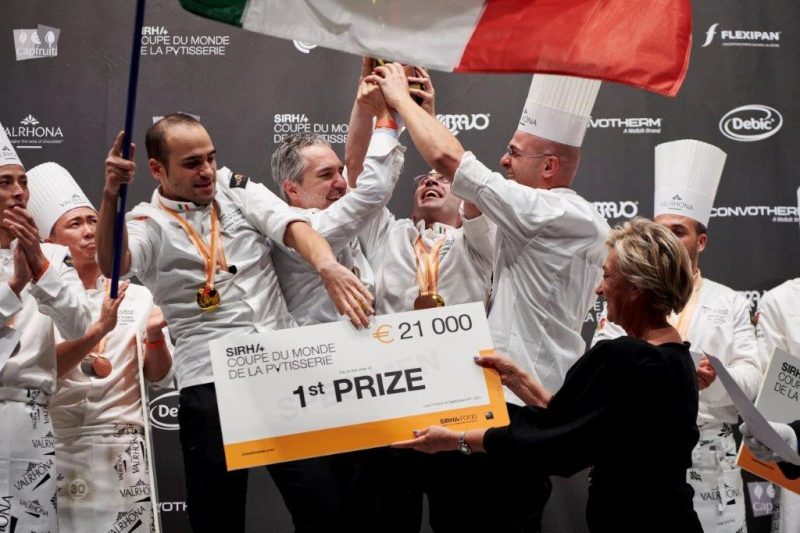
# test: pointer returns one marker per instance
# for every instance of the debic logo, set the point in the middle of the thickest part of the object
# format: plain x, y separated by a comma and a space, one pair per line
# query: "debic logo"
750, 123
164, 411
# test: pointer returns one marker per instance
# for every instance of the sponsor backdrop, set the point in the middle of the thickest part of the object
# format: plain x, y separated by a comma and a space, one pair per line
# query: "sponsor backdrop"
65, 70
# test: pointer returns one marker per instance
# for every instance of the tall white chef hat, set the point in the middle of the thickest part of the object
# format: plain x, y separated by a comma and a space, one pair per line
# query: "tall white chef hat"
8, 156
53, 192
687, 177
558, 108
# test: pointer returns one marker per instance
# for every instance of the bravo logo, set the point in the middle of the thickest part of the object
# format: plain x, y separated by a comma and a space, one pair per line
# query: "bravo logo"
614, 210
750, 123
463, 122
164, 411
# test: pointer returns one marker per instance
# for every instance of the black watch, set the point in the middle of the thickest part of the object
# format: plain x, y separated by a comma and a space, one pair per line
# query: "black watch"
463, 447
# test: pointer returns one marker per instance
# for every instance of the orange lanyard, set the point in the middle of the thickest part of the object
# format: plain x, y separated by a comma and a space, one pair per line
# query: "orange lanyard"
428, 265
213, 255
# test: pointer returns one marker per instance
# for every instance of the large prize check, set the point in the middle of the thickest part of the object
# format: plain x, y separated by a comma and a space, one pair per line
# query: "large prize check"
331, 388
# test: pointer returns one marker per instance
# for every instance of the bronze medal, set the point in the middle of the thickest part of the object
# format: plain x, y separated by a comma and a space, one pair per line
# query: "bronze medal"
96, 366
207, 298
101, 366
428, 301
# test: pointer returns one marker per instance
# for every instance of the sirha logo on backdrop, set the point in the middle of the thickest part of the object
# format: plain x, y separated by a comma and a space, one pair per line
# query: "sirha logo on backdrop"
750, 123
285, 124
629, 125
457, 123
36, 43
158, 41
748, 38
31, 133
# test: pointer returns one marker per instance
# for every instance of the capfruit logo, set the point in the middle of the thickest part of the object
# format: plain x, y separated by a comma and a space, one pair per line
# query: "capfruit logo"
750, 123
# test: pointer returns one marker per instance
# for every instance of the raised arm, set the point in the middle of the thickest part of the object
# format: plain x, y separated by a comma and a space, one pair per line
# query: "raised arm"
118, 171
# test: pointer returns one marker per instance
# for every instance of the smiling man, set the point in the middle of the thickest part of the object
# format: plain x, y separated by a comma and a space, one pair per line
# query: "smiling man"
97, 408
202, 246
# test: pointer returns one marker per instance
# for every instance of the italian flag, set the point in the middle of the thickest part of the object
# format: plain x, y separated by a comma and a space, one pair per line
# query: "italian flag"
643, 43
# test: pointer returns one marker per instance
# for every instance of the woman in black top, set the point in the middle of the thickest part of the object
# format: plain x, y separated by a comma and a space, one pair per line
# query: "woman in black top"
628, 407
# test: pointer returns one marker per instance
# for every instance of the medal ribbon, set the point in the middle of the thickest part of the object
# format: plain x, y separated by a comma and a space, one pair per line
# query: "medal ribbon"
428, 275
213, 255
683, 320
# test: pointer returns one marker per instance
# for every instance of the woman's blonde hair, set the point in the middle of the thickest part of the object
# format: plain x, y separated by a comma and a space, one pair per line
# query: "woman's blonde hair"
650, 257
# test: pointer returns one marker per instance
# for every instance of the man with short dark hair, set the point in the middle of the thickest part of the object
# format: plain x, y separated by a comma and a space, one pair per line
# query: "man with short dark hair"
202, 247
716, 321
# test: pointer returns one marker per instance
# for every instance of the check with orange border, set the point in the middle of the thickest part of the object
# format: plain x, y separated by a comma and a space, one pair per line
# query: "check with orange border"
331, 388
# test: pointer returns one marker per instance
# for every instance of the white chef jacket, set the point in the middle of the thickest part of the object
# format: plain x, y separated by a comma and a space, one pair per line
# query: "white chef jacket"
166, 261
83, 401
721, 327
778, 321
547, 263
465, 267
340, 224
57, 298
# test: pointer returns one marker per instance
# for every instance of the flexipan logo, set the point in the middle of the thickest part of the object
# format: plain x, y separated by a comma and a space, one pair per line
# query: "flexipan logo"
304, 46
748, 38
36, 43
164, 411
750, 123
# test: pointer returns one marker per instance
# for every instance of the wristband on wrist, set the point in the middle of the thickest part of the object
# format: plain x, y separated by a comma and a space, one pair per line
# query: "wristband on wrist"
45, 265
152, 345
386, 123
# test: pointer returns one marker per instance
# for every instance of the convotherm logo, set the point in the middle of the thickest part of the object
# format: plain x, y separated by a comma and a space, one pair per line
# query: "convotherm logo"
776, 213
750, 123
628, 125
749, 38
36, 43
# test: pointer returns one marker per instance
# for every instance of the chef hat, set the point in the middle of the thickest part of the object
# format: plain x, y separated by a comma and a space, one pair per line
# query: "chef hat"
8, 156
558, 108
53, 193
687, 177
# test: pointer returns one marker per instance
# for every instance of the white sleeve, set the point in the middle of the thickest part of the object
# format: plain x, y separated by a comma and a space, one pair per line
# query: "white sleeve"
141, 232
518, 211
10, 304
606, 330
479, 233
770, 329
345, 218
743, 363
60, 295
268, 213
372, 237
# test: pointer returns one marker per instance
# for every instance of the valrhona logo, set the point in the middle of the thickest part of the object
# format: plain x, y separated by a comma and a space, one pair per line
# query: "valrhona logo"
36, 43
129, 521
677, 202
35, 475
5, 514
31, 133
750, 123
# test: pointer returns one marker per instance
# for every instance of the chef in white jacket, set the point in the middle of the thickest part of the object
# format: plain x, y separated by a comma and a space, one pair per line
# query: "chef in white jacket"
778, 326
550, 242
715, 321
38, 289
101, 453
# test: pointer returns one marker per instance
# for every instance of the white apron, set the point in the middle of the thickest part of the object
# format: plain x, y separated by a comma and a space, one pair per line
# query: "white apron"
27, 463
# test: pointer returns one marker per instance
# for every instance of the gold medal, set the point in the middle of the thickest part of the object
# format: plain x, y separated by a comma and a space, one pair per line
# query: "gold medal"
213, 256
428, 301
207, 298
